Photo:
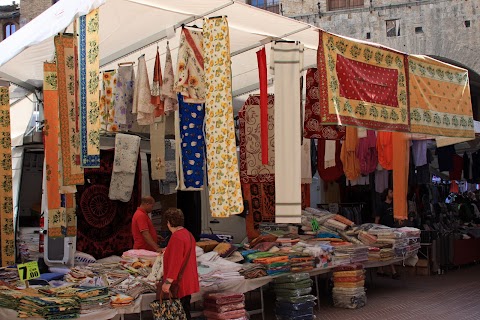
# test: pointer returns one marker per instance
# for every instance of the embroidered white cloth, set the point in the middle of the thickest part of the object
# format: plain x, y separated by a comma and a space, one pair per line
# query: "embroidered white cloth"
329, 157
170, 100
124, 167
142, 104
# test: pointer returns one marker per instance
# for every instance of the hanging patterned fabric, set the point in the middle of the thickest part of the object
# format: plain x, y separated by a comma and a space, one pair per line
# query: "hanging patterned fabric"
157, 83
123, 117
191, 143
51, 133
124, 167
169, 96
89, 98
107, 101
252, 169
260, 201
440, 102
331, 173
157, 149
190, 76
312, 125
6, 201
362, 84
167, 185
348, 155
70, 214
72, 173
142, 105
225, 192
306, 162
287, 62
262, 76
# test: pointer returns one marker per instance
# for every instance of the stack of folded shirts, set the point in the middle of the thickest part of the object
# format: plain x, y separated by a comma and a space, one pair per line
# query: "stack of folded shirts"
275, 265
349, 282
48, 307
294, 301
253, 270
224, 305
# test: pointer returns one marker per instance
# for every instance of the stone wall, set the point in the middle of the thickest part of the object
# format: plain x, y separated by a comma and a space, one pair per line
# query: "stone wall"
29, 9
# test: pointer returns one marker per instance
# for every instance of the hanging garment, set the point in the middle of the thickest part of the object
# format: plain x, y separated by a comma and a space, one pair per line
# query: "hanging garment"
252, 169
260, 203
440, 100
381, 180
65, 47
142, 104
476, 166
190, 144
157, 83
331, 173
348, 155
107, 102
104, 225
168, 185
306, 162
401, 145
169, 96
7, 232
124, 117
312, 125
157, 148
445, 157
51, 133
124, 167
467, 172
456, 171
225, 192
378, 101
419, 151
70, 215
367, 153
385, 149
330, 150
305, 195
89, 99
145, 175
262, 76
190, 76
287, 61
313, 157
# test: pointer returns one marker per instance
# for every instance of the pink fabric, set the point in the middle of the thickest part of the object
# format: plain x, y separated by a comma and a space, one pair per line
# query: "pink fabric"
367, 153
262, 74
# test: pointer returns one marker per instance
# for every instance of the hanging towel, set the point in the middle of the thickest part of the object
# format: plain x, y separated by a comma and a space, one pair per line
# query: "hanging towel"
385, 149
70, 215
287, 62
7, 233
157, 83
107, 102
401, 145
225, 192
145, 175
262, 75
167, 185
124, 98
124, 167
306, 163
330, 151
367, 153
169, 96
190, 76
65, 46
157, 148
142, 105
351, 165
189, 145
89, 98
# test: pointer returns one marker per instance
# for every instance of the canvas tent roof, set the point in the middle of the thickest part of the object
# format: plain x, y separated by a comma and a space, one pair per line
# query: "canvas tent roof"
129, 28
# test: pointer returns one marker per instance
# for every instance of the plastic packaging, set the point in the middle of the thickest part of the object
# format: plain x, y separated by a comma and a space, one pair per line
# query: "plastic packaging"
292, 293
301, 299
225, 315
295, 306
223, 308
307, 317
295, 285
294, 313
292, 278
222, 298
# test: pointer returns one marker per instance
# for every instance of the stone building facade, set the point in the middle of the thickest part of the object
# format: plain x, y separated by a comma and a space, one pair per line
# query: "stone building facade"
29, 9
9, 20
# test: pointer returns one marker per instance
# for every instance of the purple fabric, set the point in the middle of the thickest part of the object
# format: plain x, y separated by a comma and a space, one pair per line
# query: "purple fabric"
381, 180
419, 149
367, 153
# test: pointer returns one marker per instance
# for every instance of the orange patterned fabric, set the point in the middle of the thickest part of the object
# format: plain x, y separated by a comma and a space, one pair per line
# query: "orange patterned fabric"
400, 175
385, 149
440, 102
362, 84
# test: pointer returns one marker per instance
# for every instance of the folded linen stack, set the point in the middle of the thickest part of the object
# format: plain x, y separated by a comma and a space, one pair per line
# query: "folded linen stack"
356, 253
301, 262
349, 291
49, 307
224, 305
253, 270
275, 264
294, 301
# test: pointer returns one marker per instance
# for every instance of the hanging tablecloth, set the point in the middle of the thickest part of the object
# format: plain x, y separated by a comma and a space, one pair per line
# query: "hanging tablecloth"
312, 126
142, 105
6, 202
65, 46
348, 155
124, 167
157, 83
440, 102
89, 99
157, 148
190, 76
167, 93
225, 193
287, 62
362, 84
123, 117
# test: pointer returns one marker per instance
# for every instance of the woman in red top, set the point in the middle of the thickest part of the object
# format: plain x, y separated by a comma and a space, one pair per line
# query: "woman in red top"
180, 253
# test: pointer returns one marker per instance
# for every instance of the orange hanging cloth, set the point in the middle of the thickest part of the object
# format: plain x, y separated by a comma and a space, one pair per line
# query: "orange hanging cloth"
351, 164
400, 144
385, 149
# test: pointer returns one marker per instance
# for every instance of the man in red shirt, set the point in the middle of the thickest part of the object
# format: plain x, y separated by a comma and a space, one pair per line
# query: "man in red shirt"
144, 234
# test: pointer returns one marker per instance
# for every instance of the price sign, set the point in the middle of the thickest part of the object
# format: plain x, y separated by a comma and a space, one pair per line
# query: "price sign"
29, 270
